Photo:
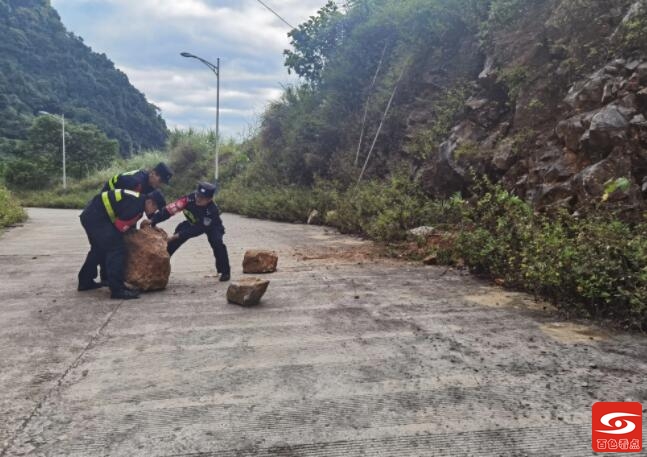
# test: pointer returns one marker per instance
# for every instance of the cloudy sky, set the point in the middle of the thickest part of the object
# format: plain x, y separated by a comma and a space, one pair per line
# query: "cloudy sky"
144, 39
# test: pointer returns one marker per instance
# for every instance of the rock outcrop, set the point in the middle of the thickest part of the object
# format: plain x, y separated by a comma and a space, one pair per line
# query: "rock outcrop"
148, 264
553, 120
259, 261
247, 291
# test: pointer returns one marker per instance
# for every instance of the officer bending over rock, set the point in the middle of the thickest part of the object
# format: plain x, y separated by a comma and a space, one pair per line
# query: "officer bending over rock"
140, 180
106, 218
143, 181
202, 217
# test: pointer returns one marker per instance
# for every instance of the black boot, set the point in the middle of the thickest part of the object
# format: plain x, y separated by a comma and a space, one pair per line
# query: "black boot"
123, 294
133, 289
225, 277
88, 286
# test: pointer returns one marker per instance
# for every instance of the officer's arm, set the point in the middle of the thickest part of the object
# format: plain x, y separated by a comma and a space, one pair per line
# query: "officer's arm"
169, 210
128, 211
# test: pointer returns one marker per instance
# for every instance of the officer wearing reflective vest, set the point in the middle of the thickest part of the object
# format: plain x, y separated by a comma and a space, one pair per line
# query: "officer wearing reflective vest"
140, 180
202, 217
106, 218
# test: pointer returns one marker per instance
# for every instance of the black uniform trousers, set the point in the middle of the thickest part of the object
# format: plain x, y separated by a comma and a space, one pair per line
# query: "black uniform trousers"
107, 248
214, 235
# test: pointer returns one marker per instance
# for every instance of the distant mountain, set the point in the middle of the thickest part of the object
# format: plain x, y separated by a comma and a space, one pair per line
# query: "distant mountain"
45, 67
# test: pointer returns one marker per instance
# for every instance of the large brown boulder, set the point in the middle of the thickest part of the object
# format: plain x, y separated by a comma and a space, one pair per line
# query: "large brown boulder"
247, 291
258, 261
148, 264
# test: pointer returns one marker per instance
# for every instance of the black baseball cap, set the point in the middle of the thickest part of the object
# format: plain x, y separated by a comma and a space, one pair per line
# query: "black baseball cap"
206, 189
158, 198
163, 171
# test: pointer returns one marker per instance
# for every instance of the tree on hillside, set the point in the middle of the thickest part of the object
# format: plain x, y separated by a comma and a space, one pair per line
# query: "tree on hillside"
314, 42
347, 57
39, 158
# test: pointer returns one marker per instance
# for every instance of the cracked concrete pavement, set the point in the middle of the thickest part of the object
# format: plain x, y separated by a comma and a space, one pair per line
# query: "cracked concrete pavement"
347, 355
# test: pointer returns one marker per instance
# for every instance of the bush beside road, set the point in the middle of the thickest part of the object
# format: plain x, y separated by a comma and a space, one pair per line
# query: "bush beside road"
10, 211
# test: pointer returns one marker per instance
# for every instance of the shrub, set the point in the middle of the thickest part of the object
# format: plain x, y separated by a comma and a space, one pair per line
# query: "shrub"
286, 204
10, 210
27, 174
190, 158
594, 265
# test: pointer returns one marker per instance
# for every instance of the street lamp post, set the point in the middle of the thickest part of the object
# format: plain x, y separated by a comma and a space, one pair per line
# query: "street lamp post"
62, 118
216, 70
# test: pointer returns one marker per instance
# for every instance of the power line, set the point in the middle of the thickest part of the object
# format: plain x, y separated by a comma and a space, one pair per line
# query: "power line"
276, 14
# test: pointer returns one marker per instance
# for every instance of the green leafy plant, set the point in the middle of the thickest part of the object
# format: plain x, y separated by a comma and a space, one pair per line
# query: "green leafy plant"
613, 185
10, 211
514, 79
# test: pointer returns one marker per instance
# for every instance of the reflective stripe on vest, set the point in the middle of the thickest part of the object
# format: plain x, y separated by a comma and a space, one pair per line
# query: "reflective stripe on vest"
112, 183
119, 195
189, 215
108, 205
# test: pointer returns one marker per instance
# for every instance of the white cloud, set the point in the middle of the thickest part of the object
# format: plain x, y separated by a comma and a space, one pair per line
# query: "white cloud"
144, 39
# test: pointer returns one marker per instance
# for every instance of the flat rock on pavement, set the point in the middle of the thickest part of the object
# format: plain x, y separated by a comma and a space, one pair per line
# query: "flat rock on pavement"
247, 291
257, 261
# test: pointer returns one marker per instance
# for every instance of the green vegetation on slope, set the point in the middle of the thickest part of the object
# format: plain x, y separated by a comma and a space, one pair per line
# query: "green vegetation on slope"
313, 130
45, 67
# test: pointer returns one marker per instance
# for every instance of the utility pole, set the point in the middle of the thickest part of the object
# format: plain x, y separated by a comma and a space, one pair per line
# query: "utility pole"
64, 165
217, 115
62, 119
216, 70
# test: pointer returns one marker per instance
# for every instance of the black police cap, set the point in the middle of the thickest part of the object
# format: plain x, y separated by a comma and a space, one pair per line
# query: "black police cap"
206, 189
158, 198
164, 172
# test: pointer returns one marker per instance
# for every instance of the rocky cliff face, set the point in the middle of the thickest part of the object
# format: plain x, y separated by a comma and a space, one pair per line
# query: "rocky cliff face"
558, 108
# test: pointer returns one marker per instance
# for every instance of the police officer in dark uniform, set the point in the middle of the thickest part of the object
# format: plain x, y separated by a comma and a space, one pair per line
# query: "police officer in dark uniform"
140, 180
106, 218
202, 217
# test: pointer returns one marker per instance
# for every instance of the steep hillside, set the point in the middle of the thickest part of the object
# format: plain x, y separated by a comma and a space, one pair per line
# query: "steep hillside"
548, 96
558, 107
45, 67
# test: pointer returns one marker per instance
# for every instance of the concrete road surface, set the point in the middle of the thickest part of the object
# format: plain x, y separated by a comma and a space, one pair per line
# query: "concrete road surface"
346, 356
